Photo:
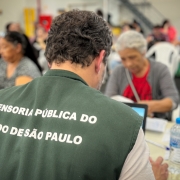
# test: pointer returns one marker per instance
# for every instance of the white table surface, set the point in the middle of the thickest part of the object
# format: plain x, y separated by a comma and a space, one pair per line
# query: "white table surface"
160, 138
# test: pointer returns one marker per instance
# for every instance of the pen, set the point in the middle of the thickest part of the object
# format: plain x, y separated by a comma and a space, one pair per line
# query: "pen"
158, 145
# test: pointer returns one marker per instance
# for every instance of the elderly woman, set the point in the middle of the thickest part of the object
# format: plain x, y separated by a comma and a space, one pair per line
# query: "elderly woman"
15, 66
142, 80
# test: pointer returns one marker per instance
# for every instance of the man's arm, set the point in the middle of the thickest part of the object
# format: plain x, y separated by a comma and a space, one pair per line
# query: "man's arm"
137, 165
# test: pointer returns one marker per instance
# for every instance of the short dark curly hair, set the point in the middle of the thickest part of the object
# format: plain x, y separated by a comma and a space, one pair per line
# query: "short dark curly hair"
78, 36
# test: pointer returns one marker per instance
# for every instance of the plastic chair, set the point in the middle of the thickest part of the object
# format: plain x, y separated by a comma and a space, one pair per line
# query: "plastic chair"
167, 54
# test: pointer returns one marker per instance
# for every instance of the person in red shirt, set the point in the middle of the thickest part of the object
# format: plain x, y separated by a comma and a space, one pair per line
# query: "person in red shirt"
169, 31
142, 87
140, 79
156, 36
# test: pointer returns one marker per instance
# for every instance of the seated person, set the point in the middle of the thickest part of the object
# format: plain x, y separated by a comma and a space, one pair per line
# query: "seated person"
40, 45
156, 36
137, 26
32, 52
15, 66
126, 27
169, 30
151, 81
13, 26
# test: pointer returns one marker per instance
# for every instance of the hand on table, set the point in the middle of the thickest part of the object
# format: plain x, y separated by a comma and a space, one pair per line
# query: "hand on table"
150, 105
161, 105
159, 168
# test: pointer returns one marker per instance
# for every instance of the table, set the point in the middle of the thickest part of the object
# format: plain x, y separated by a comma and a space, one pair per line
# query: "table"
158, 138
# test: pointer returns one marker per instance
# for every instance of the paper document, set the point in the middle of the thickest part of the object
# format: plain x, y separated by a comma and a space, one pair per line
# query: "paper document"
156, 124
122, 99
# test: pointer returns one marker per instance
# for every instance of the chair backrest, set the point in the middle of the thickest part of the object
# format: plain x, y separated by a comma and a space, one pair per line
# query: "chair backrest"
167, 54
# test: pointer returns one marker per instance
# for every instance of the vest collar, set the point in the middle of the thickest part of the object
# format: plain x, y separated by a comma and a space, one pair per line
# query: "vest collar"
64, 73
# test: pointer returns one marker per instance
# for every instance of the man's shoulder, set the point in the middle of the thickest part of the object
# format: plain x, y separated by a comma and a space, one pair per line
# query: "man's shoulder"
114, 108
11, 92
8, 90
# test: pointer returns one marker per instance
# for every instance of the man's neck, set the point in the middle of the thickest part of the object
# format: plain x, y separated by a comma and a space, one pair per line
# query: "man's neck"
86, 73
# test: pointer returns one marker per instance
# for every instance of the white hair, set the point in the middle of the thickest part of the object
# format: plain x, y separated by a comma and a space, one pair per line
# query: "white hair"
133, 40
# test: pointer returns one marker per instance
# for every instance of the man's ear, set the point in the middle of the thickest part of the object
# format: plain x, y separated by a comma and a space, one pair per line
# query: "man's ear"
49, 65
99, 60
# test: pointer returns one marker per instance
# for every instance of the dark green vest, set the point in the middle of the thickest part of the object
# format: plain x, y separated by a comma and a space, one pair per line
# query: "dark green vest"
57, 127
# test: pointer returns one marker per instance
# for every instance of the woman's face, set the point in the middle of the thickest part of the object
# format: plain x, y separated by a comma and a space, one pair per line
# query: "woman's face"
15, 27
41, 33
132, 59
8, 50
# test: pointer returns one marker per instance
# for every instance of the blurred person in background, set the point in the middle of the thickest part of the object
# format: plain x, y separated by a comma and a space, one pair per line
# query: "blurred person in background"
13, 26
169, 30
33, 55
99, 12
40, 39
40, 45
114, 59
126, 27
137, 26
142, 80
156, 36
16, 67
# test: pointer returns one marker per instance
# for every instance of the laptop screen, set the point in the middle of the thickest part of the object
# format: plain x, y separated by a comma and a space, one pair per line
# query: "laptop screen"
141, 109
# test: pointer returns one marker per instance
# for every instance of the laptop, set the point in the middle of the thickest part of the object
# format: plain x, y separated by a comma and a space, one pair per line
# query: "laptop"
141, 109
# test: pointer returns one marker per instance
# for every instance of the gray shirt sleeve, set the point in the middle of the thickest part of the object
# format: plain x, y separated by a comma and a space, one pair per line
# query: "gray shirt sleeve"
167, 86
112, 87
27, 68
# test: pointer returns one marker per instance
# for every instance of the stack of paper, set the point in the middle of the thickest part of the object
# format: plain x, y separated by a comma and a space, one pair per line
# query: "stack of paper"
156, 124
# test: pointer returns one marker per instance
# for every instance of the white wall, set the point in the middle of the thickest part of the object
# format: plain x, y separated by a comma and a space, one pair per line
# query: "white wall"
171, 10
13, 9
